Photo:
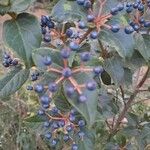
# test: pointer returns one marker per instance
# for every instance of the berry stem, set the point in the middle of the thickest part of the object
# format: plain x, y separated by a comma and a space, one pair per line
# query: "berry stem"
54, 118
65, 63
75, 84
102, 3
59, 80
82, 70
54, 70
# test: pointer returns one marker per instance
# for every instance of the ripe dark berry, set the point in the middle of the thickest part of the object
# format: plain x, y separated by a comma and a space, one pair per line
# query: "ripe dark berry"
115, 28
70, 90
141, 21
47, 60
66, 72
129, 9
90, 18
81, 123
135, 5
54, 142
120, 7
136, 27
94, 35
81, 25
14, 62
141, 7
74, 46
46, 124
48, 135
98, 70
129, 30
6, 56
80, 2
43, 20
52, 87
66, 137
147, 24
82, 98
131, 23
30, 88
47, 38
85, 56
45, 99
55, 110
55, 125
61, 123
87, 4
5, 64
34, 77
73, 111
74, 147
128, 4
65, 53
91, 85
69, 32
50, 24
45, 106
72, 118
114, 11
43, 30
69, 128
81, 134
40, 112
39, 88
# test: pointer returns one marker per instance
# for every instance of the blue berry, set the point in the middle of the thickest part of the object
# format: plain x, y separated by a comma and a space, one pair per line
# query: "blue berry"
66, 72
43, 30
47, 38
81, 25
81, 123
55, 110
141, 21
70, 90
48, 135
114, 11
98, 70
136, 27
120, 7
46, 124
85, 56
66, 137
94, 35
45, 106
91, 85
131, 23
129, 9
39, 88
87, 4
43, 20
135, 5
6, 56
50, 24
74, 147
129, 4
45, 99
69, 32
55, 125
61, 123
30, 88
52, 87
81, 134
34, 77
65, 53
73, 111
40, 112
14, 62
129, 30
74, 46
90, 18
115, 28
82, 98
47, 60
141, 7
147, 24
54, 142
69, 128
72, 118
80, 2
5, 64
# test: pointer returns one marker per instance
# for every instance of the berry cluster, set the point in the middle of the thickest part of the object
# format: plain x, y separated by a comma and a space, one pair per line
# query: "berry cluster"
9, 61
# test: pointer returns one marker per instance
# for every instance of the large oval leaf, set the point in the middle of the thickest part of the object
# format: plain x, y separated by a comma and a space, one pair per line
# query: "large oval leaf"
23, 35
13, 81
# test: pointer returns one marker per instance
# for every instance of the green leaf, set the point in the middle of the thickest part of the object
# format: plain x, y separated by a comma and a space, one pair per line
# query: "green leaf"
67, 10
106, 78
4, 2
89, 108
115, 69
23, 35
34, 118
13, 81
120, 42
142, 45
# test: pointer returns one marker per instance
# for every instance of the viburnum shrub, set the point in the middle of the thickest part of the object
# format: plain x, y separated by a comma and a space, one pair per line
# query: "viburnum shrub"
81, 59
